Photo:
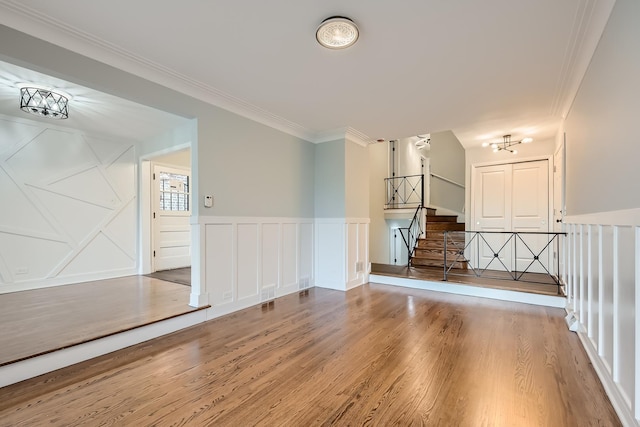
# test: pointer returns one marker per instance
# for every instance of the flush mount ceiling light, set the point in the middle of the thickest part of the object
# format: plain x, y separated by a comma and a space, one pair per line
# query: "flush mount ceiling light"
506, 144
44, 102
337, 32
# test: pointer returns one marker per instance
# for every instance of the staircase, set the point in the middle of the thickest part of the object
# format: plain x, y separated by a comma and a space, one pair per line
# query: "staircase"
430, 250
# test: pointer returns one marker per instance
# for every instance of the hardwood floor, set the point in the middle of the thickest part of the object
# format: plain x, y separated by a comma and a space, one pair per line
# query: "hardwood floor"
375, 355
44, 320
501, 280
176, 275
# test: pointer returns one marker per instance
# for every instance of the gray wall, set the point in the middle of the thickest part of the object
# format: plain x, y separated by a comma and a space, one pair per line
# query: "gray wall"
447, 160
356, 181
603, 146
250, 169
378, 228
329, 179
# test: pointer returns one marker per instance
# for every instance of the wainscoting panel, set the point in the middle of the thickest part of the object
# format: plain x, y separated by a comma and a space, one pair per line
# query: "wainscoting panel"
70, 206
289, 254
352, 253
342, 256
248, 260
330, 254
606, 279
219, 262
305, 262
270, 254
594, 284
603, 284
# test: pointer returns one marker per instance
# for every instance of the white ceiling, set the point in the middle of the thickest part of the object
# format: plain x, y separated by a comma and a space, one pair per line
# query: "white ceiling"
478, 68
89, 110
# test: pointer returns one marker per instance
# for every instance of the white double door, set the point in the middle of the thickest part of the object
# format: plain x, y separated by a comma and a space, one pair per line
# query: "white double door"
507, 198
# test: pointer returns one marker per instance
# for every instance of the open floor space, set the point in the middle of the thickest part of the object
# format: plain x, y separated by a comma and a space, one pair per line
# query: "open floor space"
375, 354
41, 321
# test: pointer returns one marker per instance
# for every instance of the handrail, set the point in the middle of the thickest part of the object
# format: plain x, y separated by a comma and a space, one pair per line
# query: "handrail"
404, 191
505, 254
447, 180
413, 233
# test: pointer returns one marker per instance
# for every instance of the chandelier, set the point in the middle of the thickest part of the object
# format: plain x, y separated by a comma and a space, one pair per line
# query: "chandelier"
44, 102
506, 144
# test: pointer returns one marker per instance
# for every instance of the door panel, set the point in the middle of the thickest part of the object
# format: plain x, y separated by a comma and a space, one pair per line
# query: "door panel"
530, 199
171, 211
492, 213
512, 197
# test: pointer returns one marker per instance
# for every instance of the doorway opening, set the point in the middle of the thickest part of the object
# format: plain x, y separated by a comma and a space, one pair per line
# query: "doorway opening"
166, 206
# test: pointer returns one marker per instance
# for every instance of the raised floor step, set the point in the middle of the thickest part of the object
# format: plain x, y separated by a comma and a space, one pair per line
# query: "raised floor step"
417, 262
442, 218
436, 253
441, 226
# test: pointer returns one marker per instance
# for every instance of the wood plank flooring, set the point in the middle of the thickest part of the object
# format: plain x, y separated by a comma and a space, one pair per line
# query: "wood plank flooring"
500, 281
176, 275
43, 320
375, 355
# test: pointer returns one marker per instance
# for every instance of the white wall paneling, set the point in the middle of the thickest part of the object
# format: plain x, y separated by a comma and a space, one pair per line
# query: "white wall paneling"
342, 254
69, 206
249, 260
604, 258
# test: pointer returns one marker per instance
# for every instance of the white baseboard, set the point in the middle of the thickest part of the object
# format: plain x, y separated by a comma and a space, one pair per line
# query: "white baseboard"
617, 400
219, 310
473, 291
66, 280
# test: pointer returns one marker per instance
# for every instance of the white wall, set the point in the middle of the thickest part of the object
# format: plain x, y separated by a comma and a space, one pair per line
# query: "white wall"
603, 208
342, 193
484, 155
180, 159
447, 161
70, 211
379, 234
407, 157
251, 260
603, 145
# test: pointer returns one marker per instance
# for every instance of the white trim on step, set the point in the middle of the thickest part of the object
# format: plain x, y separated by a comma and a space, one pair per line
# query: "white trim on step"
473, 291
29, 368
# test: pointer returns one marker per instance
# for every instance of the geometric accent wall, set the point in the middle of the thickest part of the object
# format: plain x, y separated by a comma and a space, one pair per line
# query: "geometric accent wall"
68, 206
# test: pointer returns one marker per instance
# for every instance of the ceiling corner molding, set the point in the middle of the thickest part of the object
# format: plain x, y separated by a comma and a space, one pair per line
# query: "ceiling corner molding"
586, 31
357, 137
20, 17
347, 133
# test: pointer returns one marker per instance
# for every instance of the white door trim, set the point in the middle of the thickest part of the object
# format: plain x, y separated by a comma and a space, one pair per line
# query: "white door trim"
145, 208
472, 184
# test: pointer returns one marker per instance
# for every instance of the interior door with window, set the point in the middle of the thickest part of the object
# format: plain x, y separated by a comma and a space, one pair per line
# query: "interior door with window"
170, 217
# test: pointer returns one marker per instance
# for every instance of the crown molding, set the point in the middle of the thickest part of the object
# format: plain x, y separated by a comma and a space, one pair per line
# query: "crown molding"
20, 17
347, 133
587, 29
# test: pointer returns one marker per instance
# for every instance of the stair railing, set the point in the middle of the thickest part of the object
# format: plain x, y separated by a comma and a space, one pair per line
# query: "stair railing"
404, 191
502, 253
412, 233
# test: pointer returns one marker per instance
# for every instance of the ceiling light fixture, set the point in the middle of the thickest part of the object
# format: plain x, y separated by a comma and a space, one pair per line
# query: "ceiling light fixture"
337, 32
44, 102
423, 141
506, 144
